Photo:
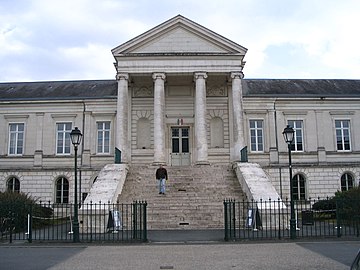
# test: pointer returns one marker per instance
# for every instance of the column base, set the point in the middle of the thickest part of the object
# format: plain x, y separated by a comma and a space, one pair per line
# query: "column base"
158, 163
204, 162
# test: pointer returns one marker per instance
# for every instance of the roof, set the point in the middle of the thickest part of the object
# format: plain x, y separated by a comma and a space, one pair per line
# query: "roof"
99, 89
301, 88
58, 90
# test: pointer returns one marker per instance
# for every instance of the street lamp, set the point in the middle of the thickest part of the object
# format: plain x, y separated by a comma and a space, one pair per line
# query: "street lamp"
76, 136
288, 134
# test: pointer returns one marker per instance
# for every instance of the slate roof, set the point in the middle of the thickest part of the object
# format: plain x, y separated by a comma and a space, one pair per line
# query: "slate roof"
301, 88
58, 90
95, 89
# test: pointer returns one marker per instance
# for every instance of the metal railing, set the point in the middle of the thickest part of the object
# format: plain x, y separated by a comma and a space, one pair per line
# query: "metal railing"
269, 219
105, 222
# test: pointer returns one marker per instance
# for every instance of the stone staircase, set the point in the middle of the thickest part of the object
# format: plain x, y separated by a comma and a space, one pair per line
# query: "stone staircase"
194, 195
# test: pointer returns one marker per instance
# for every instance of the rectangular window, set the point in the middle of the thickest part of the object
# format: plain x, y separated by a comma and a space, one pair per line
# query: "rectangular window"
103, 137
342, 129
16, 138
63, 140
297, 144
256, 136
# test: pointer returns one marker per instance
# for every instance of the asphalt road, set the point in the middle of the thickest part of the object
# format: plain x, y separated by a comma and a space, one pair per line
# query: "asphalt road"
284, 255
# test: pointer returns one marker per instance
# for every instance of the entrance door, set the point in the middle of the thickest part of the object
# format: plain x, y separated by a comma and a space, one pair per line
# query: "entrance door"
180, 154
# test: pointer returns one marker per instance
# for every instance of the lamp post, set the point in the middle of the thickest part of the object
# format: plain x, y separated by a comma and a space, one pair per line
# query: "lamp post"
75, 136
288, 134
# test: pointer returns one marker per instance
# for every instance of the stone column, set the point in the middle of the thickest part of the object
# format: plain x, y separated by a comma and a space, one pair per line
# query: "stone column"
121, 141
200, 119
239, 142
159, 118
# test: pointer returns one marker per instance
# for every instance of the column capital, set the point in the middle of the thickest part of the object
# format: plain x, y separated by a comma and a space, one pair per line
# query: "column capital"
201, 74
237, 75
122, 76
159, 75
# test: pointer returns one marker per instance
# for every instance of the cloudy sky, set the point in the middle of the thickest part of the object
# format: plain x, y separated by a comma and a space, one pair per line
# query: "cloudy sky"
72, 39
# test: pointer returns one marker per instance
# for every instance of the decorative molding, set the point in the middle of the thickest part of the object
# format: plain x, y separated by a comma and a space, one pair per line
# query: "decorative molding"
237, 75
180, 115
16, 116
295, 113
143, 91
103, 114
159, 75
63, 115
216, 113
198, 75
342, 112
216, 91
143, 114
254, 112
122, 76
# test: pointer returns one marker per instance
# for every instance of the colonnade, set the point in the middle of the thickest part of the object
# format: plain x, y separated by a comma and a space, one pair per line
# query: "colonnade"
201, 144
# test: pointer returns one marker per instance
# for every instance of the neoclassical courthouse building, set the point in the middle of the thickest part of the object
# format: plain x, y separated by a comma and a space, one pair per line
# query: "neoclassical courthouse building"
179, 98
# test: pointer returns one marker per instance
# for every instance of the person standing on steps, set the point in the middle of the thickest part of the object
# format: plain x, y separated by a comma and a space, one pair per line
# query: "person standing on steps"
161, 176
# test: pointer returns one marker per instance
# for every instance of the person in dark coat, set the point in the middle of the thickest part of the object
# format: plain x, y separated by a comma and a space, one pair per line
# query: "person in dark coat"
161, 176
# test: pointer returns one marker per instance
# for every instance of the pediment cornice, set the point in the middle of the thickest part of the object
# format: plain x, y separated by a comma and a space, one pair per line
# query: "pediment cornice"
176, 36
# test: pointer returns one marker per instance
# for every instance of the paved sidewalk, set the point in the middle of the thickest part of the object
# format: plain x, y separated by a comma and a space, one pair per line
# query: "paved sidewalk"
181, 249
334, 255
271, 256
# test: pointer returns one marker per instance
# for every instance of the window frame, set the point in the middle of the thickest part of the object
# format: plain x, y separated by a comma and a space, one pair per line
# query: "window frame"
103, 131
16, 143
297, 189
65, 140
256, 129
342, 129
15, 184
347, 180
64, 194
297, 130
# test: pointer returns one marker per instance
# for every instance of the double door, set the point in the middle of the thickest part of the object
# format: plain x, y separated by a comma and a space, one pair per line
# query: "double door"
180, 147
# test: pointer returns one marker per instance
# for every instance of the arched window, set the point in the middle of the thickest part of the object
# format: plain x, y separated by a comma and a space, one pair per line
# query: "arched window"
216, 132
62, 190
347, 182
298, 186
13, 185
143, 134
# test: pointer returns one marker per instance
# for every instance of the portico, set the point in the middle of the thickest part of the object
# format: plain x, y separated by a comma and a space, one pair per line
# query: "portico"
172, 73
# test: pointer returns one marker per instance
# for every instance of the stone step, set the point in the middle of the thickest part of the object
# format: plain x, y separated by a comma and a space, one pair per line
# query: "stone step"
194, 198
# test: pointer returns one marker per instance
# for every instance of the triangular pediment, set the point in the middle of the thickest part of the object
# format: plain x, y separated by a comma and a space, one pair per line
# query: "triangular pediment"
179, 35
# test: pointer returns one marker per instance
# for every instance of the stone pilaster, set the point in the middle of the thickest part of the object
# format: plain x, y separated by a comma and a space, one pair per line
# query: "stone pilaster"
86, 137
320, 138
201, 156
121, 141
274, 154
39, 139
237, 105
159, 118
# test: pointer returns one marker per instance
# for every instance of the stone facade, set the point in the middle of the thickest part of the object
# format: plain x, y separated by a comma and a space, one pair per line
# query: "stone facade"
180, 98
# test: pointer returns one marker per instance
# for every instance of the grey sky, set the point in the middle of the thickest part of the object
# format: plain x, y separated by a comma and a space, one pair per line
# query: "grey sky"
72, 39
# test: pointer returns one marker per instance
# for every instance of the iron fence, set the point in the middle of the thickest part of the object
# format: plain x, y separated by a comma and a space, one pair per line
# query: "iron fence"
105, 222
270, 219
